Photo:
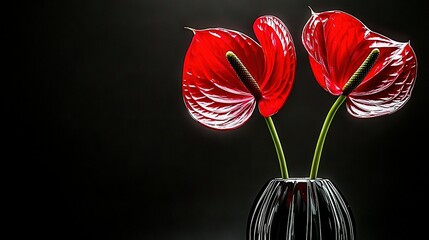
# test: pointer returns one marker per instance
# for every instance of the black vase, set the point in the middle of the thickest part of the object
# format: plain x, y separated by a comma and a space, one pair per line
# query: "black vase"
300, 209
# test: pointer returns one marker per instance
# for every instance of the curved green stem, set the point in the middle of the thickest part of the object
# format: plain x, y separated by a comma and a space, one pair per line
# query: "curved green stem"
322, 136
278, 146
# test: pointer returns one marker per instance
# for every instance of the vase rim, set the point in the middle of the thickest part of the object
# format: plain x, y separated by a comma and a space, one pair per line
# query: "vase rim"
301, 179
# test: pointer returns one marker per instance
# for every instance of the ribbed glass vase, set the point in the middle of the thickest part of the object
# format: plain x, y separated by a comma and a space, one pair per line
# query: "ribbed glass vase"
300, 209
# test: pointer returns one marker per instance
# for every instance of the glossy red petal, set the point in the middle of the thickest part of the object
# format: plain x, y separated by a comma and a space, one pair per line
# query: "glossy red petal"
332, 39
392, 61
393, 97
338, 43
212, 92
280, 63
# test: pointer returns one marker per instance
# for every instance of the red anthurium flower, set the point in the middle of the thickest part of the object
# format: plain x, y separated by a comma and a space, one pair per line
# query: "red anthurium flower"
338, 43
214, 94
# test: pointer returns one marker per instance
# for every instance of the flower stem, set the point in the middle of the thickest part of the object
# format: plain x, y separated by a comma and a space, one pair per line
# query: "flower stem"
322, 136
278, 146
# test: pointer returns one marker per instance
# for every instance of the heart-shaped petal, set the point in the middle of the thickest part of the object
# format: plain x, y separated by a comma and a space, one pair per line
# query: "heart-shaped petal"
280, 63
338, 43
214, 94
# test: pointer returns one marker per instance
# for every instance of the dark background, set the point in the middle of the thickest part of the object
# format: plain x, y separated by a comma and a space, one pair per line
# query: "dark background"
102, 146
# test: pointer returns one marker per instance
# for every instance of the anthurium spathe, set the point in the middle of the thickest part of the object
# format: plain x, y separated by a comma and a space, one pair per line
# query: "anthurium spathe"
213, 93
226, 74
375, 74
337, 44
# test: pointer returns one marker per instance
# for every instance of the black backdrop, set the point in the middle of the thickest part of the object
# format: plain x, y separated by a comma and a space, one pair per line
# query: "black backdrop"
102, 146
